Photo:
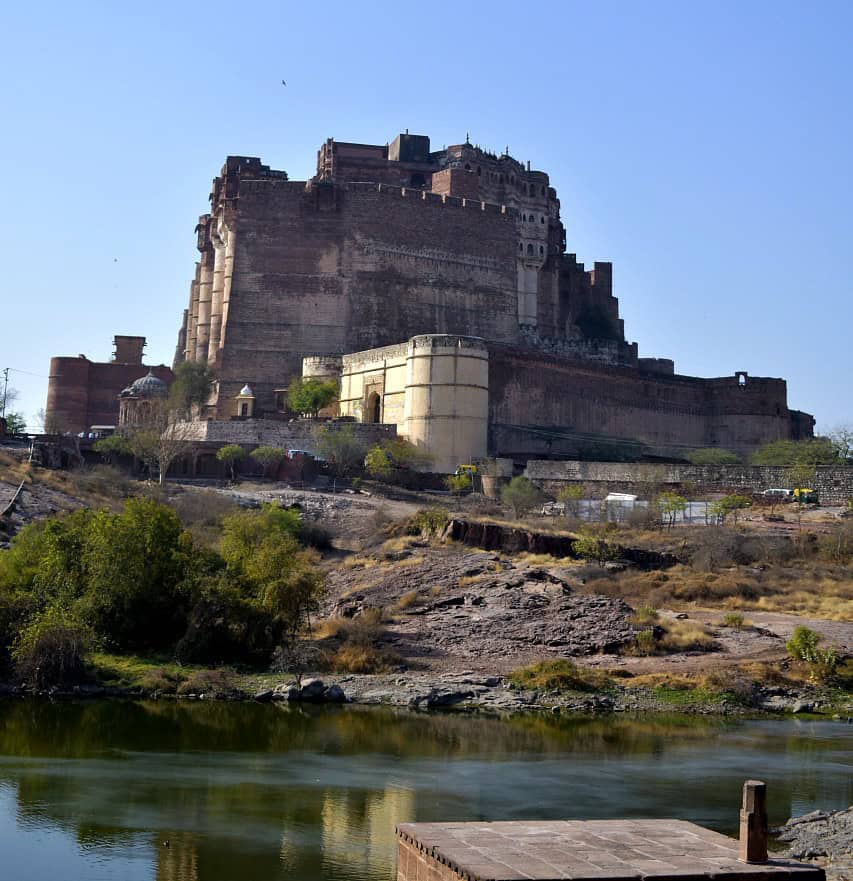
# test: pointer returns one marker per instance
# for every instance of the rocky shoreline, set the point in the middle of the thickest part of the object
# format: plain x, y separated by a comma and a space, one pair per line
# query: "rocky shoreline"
824, 837
478, 693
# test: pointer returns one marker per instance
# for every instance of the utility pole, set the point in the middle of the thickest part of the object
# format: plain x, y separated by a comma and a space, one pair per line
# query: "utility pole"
5, 387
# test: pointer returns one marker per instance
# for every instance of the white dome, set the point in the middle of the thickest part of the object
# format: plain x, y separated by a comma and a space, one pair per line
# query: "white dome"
246, 392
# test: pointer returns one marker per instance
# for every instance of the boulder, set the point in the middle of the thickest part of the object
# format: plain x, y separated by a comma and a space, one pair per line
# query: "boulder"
334, 694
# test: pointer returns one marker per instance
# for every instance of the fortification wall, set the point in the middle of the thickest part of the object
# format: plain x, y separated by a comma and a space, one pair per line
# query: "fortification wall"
328, 269
834, 485
569, 408
300, 434
82, 393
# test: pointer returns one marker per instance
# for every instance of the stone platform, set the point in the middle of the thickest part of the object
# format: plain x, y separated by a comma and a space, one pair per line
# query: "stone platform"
581, 850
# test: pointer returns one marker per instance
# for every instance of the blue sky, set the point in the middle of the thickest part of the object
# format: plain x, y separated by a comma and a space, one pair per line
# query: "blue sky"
704, 148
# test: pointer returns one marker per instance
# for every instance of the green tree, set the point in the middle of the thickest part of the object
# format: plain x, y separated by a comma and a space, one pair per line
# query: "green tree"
571, 496
670, 505
593, 546
309, 396
713, 456
135, 565
342, 448
110, 448
379, 463
261, 550
15, 423
191, 388
787, 453
730, 505
395, 460
230, 455
521, 496
267, 457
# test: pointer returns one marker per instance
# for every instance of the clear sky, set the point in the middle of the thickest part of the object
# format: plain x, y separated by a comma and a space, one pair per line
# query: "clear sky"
706, 149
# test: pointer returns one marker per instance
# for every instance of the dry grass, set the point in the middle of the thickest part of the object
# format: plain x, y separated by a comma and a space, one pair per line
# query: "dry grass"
361, 659
821, 590
412, 598
671, 637
559, 674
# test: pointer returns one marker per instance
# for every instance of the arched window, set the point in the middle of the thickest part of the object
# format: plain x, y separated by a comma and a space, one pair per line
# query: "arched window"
417, 180
532, 190
467, 167
542, 218
541, 250
521, 247
530, 250
543, 191
478, 171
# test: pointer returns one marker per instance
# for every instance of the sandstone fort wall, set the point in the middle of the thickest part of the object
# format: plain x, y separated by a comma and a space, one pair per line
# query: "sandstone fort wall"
834, 485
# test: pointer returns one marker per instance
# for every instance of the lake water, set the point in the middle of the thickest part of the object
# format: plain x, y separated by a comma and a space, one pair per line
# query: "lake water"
246, 792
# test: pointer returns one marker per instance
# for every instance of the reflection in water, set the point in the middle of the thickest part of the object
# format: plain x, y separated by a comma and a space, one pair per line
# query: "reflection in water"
178, 791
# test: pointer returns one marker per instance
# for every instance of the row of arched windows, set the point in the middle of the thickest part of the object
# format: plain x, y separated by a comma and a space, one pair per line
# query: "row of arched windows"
496, 177
530, 250
531, 218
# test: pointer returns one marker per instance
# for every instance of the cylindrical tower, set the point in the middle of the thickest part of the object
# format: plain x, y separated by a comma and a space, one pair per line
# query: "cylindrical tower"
67, 396
447, 398
325, 368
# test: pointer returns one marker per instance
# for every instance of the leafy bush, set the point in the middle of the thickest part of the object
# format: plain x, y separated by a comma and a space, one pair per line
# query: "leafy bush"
593, 546
396, 461
226, 627
803, 646
428, 522
734, 620
51, 651
521, 496
713, 456
458, 483
729, 505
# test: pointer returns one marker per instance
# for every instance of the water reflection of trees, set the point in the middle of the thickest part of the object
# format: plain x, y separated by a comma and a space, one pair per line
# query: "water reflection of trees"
230, 786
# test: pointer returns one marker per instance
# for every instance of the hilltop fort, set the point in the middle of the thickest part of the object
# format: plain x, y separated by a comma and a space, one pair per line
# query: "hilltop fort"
436, 289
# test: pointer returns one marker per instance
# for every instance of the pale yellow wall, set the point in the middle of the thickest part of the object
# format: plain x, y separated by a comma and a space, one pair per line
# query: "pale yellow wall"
435, 390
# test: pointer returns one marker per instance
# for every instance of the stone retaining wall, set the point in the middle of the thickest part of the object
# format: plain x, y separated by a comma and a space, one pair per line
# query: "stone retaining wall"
834, 485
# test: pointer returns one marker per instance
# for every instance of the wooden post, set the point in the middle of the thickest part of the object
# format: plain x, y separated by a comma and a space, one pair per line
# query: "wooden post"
753, 823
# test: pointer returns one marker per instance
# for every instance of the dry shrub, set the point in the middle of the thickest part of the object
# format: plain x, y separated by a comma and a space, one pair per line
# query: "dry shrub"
210, 683
407, 600
161, 681
645, 616
559, 674
672, 637
361, 659
104, 481
686, 636
202, 507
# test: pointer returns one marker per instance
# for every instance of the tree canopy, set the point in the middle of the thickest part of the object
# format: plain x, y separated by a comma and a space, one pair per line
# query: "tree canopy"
814, 451
713, 456
191, 388
309, 396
